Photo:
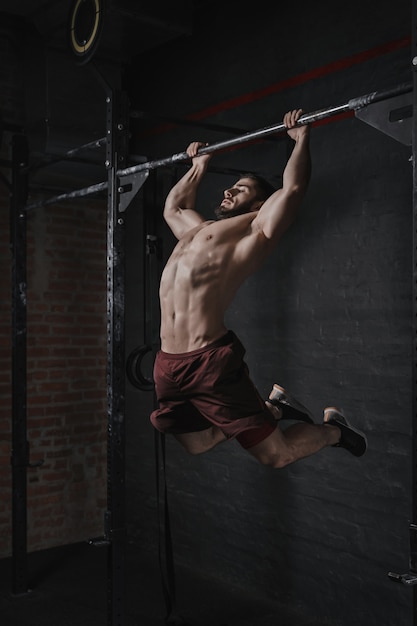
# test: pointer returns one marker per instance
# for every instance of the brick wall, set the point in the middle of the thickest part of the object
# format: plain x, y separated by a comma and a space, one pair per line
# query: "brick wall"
66, 372
66, 353
66, 363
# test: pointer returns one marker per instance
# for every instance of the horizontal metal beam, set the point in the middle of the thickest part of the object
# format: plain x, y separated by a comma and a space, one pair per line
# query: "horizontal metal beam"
69, 155
77, 193
307, 118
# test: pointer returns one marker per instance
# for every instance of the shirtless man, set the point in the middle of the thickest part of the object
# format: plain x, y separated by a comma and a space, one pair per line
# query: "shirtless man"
204, 392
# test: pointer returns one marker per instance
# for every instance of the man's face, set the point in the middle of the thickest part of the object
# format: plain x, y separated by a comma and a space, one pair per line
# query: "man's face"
239, 199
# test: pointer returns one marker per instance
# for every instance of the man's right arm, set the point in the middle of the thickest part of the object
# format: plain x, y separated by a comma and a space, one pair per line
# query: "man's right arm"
179, 210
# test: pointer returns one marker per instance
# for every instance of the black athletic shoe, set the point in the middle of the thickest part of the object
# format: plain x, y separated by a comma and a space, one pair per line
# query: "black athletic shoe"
290, 407
351, 439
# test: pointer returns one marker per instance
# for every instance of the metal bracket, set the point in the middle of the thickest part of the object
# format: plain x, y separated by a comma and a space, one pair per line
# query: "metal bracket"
410, 578
130, 186
405, 579
153, 245
99, 542
393, 117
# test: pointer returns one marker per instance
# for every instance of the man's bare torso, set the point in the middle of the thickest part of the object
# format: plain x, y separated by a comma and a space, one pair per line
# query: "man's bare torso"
201, 278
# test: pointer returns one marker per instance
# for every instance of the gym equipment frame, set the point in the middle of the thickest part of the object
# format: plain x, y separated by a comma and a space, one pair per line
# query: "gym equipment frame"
122, 185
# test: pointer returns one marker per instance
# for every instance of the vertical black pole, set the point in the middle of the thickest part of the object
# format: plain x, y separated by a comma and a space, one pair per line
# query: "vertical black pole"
20, 446
413, 528
117, 122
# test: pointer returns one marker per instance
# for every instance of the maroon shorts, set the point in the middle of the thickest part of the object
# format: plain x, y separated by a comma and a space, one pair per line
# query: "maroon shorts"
209, 386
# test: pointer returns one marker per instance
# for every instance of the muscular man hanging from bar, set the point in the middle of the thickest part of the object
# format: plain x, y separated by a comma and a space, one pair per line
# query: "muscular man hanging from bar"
204, 391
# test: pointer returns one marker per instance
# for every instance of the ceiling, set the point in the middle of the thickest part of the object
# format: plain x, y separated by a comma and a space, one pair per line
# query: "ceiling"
130, 26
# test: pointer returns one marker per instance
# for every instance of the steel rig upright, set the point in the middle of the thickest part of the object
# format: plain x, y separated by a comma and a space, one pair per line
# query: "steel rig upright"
115, 517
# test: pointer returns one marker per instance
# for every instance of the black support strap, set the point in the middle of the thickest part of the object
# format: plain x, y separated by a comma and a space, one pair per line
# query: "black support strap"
165, 552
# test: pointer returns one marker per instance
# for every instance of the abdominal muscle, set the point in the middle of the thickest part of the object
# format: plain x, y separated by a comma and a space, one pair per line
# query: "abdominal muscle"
198, 284
186, 324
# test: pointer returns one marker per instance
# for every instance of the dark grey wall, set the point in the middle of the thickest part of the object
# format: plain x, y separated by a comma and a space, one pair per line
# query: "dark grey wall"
329, 315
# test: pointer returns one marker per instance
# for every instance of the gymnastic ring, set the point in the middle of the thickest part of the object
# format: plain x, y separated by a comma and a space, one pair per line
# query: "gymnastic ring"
134, 369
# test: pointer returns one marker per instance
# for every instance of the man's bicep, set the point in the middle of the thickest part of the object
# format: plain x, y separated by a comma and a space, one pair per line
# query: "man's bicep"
181, 221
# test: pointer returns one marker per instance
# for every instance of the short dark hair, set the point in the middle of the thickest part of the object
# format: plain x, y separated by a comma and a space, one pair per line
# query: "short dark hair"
264, 189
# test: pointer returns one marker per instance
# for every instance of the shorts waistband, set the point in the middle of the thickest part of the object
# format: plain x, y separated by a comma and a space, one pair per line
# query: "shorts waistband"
226, 339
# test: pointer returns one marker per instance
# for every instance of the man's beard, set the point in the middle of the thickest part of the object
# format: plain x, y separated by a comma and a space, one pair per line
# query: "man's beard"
221, 213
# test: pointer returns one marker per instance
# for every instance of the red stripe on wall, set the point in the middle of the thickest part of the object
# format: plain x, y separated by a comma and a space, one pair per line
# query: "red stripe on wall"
299, 79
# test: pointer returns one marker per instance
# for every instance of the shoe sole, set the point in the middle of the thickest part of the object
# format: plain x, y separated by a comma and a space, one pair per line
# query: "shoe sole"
359, 445
279, 396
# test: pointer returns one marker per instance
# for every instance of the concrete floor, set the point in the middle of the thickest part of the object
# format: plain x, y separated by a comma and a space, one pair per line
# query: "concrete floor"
68, 588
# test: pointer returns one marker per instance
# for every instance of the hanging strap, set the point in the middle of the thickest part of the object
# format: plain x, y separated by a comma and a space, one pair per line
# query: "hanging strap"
165, 552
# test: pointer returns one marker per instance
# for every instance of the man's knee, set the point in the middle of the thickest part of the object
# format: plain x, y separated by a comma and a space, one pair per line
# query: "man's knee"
275, 460
272, 451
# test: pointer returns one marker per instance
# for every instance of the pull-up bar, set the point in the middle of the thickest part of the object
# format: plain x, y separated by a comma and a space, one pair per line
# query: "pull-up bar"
307, 118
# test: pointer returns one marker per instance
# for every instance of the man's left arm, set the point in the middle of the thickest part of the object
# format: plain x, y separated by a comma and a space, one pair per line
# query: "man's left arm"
280, 209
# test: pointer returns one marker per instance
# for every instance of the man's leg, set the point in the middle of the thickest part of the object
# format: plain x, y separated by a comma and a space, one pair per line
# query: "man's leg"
201, 441
301, 440
297, 442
